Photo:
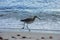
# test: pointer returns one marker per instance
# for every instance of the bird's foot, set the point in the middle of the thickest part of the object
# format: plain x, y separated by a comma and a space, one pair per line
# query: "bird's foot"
22, 28
29, 30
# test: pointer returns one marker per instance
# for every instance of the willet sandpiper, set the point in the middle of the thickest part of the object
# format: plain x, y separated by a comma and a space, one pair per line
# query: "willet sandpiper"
28, 21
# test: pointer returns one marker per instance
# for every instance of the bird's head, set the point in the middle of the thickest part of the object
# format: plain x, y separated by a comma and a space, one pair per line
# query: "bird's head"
36, 17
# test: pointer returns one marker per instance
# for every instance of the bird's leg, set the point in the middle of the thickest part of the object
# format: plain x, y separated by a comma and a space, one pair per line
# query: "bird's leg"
23, 26
28, 27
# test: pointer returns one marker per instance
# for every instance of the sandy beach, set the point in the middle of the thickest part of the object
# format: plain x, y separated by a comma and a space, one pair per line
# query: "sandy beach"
29, 36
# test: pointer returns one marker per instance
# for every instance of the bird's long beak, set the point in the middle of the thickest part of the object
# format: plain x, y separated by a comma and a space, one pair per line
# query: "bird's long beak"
38, 18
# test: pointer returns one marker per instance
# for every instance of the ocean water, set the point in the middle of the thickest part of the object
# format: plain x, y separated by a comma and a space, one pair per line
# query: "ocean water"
10, 20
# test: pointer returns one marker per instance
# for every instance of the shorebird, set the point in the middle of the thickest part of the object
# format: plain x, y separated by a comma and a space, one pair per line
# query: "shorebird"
28, 21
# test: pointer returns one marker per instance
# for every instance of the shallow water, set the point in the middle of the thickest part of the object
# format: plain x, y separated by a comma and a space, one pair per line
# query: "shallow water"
48, 20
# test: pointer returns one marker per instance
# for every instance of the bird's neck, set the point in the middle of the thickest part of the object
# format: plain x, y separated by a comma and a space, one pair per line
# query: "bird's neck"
34, 18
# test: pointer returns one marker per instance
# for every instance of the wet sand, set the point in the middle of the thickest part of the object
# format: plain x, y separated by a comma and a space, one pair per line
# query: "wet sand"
29, 36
